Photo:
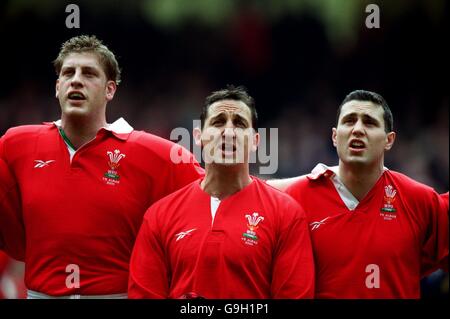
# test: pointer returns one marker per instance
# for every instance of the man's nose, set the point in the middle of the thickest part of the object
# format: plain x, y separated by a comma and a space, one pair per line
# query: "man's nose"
358, 128
76, 79
229, 129
229, 132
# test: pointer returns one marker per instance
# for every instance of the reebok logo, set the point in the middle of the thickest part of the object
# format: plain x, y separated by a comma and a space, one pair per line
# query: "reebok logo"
41, 164
316, 225
183, 234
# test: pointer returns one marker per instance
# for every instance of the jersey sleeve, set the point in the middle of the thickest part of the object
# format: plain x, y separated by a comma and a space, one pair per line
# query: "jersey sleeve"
2, 151
148, 268
12, 238
293, 270
185, 171
444, 198
435, 246
168, 165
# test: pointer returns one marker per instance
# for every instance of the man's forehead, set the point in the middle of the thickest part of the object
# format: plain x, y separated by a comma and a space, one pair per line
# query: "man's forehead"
232, 106
81, 59
362, 107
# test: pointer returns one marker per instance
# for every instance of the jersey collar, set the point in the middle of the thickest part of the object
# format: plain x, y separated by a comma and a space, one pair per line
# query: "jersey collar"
120, 128
331, 172
327, 171
322, 169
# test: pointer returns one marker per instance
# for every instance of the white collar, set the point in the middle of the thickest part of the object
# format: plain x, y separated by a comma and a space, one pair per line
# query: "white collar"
328, 171
331, 172
120, 126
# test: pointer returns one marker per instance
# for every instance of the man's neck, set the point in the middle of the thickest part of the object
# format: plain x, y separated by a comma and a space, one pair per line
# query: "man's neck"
359, 179
222, 180
81, 131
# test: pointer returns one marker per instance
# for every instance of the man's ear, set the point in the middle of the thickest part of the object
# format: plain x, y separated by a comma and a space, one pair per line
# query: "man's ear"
256, 139
333, 136
57, 89
197, 132
111, 88
390, 139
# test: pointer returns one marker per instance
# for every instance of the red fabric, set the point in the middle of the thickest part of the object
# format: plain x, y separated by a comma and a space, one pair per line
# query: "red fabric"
215, 259
404, 245
87, 212
12, 238
444, 197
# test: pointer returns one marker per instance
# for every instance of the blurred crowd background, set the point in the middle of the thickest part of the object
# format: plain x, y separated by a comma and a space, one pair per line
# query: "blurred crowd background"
297, 58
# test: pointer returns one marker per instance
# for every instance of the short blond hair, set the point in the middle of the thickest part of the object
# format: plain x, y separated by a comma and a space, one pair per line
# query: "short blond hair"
85, 43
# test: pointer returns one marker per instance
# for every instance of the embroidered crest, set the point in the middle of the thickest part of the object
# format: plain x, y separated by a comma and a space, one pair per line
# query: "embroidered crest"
388, 210
111, 177
249, 237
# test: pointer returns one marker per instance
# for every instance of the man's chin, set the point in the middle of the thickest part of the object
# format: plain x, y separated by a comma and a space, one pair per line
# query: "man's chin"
226, 161
357, 160
75, 112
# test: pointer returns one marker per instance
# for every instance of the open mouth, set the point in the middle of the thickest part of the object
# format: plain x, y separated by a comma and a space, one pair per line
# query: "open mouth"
228, 148
358, 145
76, 96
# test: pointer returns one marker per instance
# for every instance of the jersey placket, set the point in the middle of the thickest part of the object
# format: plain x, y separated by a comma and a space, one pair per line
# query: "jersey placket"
210, 252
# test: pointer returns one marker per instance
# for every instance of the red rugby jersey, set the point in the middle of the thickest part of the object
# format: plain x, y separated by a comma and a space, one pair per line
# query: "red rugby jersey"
85, 213
444, 197
257, 246
12, 237
382, 247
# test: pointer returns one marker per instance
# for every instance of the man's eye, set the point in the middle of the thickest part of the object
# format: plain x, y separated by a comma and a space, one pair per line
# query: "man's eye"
371, 123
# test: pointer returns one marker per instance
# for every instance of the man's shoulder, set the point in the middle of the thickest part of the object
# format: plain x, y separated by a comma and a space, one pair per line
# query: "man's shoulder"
156, 145
22, 137
172, 201
412, 191
407, 183
143, 137
305, 183
27, 130
273, 194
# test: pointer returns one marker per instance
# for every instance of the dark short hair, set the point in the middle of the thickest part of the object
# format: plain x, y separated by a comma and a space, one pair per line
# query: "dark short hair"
375, 98
231, 92
91, 44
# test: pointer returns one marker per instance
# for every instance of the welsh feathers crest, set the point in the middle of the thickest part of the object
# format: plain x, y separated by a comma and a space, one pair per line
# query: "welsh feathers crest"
114, 158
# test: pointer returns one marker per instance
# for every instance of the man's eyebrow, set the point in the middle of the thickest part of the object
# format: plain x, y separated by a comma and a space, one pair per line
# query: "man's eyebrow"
84, 67
371, 118
353, 114
90, 68
365, 117
240, 117
217, 116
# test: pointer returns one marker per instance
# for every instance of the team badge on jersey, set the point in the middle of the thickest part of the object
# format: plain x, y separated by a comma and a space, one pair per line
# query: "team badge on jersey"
111, 177
388, 210
249, 237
